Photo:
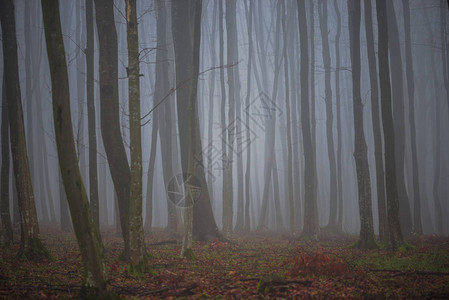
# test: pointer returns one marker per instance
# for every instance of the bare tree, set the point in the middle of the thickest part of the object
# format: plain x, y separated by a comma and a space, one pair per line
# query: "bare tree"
86, 232
310, 228
366, 240
30, 246
394, 225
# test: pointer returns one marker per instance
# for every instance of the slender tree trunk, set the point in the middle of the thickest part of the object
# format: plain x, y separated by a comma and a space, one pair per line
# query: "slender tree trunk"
288, 112
417, 224
6, 237
228, 185
389, 135
339, 132
249, 13
322, 10
31, 246
310, 228
93, 172
150, 178
366, 240
109, 106
86, 232
375, 111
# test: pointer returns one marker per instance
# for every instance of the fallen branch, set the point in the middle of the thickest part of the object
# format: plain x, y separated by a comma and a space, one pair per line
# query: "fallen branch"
154, 292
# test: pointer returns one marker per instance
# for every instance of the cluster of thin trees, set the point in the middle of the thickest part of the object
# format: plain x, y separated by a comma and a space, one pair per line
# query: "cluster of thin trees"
280, 61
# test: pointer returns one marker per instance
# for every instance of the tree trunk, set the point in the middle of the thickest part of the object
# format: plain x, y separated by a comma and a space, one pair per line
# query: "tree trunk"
109, 106
322, 10
249, 14
228, 184
288, 112
310, 228
93, 172
397, 85
31, 246
366, 240
86, 232
375, 111
417, 224
339, 133
204, 226
6, 237
136, 236
387, 121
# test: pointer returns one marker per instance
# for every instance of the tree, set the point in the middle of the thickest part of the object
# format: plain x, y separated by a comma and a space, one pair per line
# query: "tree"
322, 11
6, 236
86, 232
287, 110
249, 13
339, 133
375, 111
31, 246
417, 224
109, 107
136, 237
228, 185
397, 88
394, 226
366, 240
204, 226
93, 172
310, 228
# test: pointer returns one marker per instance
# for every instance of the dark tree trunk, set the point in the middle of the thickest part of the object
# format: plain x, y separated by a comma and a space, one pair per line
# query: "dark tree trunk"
322, 10
397, 85
110, 117
86, 232
6, 237
394, 225
136, 234
31, 246
366, 240
204, 226
375, 111
310, 228
93, 172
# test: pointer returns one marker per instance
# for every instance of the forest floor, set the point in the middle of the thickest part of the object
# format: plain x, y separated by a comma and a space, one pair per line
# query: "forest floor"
261, 265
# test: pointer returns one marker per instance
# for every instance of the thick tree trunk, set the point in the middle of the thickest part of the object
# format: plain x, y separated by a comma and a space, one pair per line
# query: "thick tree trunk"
310, 228
366, 240
136, 235
204, 226
86, 232
110, 118
31, 246
397, 85
375, 111
388, 128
